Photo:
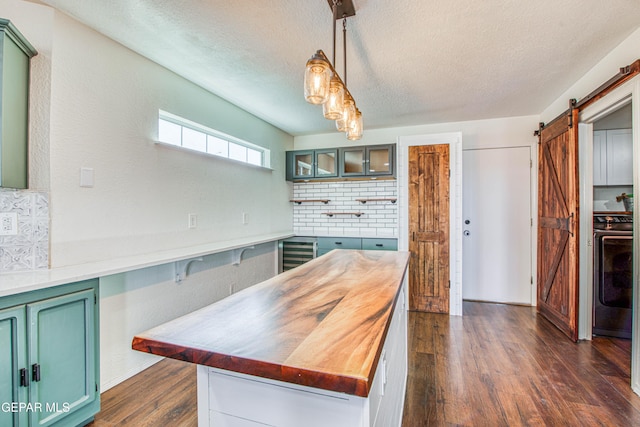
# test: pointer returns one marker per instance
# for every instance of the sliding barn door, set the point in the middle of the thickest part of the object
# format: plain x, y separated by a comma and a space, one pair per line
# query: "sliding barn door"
558, 221
429, 228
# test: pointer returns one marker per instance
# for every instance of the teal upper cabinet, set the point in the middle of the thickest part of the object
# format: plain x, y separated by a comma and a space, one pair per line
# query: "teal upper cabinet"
15, 56
49, 354
349, 162
306, 164
371, 160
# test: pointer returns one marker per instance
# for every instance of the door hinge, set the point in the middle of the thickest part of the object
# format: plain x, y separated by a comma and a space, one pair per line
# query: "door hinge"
449, 173
449, 284
532, 280
531, 221
530, 164
95, 299
96, 387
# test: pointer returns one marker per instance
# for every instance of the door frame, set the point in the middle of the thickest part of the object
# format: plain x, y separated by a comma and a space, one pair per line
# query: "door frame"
454, 140
616, 98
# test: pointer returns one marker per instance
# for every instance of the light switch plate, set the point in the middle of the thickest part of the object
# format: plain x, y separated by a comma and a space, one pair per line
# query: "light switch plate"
8, 223
86, 177
193, 221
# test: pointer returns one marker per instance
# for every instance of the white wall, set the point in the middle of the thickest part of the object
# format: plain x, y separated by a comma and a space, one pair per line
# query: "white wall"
104, 109
624, 54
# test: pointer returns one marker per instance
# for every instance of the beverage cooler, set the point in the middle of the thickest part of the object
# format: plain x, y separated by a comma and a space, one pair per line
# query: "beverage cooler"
296, 251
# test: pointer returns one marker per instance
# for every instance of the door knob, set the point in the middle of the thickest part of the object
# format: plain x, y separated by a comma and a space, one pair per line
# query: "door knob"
466, 221
466, 232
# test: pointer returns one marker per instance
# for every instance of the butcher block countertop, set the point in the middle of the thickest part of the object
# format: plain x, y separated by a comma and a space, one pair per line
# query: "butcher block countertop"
322, 324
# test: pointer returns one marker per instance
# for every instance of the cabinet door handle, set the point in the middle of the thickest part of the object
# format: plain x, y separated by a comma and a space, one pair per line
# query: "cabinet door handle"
379, 245
35, 372
24, 378
338, 243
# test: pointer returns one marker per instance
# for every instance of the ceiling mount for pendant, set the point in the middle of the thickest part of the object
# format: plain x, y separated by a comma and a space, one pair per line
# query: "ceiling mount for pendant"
345, 8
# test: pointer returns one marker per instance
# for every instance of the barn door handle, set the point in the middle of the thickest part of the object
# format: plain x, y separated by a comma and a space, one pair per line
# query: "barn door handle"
570, 224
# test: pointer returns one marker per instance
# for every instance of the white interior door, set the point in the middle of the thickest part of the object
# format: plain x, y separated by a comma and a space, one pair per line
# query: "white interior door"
496, 206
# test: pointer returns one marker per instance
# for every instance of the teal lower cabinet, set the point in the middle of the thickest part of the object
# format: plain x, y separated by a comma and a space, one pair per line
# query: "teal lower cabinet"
326, 244
49, 339
373, 244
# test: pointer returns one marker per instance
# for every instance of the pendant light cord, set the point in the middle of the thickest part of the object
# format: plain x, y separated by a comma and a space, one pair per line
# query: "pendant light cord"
344, 47
335, 16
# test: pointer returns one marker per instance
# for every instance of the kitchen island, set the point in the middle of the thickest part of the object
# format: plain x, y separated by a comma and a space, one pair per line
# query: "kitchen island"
322, 344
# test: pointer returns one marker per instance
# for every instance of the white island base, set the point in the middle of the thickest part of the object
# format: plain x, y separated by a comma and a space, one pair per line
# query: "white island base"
230, 399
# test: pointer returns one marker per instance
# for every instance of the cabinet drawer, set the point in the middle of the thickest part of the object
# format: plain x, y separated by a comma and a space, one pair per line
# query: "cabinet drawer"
339, 243
380, 244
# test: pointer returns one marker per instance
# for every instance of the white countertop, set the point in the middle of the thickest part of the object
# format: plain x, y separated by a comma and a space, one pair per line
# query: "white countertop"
19, 282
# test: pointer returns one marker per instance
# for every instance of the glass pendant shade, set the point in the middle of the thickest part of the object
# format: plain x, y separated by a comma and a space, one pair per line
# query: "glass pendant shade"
317, 77
333, 107
347, 113
355, 127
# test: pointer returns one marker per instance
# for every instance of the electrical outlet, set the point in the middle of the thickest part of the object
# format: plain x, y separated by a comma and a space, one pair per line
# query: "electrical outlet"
193, 220
8, 223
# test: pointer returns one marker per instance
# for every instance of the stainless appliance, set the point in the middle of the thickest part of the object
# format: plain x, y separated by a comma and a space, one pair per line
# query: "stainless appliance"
296, 251
613, 279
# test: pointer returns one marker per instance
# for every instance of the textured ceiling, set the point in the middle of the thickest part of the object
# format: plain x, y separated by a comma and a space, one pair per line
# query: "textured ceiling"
409, 61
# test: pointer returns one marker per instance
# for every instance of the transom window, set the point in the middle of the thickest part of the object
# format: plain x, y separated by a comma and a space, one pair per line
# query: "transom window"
179, 132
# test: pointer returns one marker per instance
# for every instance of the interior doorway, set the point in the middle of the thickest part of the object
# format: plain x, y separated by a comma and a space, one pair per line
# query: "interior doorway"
592, 201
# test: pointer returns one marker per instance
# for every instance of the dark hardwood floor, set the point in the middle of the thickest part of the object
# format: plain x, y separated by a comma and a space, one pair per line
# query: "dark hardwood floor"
498, 365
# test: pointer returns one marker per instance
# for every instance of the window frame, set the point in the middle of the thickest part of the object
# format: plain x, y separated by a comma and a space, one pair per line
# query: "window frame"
211, 135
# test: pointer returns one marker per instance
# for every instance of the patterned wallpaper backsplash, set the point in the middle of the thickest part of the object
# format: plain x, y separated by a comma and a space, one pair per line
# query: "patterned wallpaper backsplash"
378, 219
29, 249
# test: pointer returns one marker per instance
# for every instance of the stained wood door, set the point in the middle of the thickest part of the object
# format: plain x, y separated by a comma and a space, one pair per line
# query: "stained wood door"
558, 233
429, 228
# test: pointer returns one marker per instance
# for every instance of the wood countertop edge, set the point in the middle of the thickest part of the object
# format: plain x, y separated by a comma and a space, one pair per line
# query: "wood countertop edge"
357, 386
342, 383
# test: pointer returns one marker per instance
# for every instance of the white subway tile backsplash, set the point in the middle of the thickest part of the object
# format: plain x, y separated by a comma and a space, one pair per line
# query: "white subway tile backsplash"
378, 219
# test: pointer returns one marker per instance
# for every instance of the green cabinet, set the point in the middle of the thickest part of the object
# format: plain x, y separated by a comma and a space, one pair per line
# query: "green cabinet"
307, 164
49, 339
371, 160
349, 162
13, 361
15, 56
327, 244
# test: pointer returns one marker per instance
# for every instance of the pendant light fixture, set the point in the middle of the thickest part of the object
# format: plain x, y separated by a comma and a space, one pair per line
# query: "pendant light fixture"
323, 85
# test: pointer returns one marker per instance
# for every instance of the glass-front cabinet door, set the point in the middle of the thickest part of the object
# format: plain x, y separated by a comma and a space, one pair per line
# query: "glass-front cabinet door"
379, 160
352, 161
367, 160
303, 164
326, 163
